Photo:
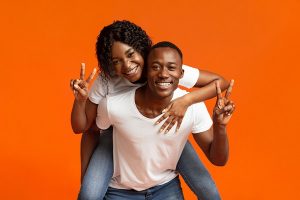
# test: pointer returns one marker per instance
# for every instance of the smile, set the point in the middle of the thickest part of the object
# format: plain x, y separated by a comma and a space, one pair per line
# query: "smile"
164, 85
131, 71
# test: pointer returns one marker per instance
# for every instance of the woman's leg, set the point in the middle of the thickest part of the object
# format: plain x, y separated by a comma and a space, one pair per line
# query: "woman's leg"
196, 175
99, 171
89, 141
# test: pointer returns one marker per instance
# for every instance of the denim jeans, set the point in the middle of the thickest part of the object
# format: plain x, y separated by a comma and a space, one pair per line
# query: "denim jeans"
168, 191
100, 170
196, 175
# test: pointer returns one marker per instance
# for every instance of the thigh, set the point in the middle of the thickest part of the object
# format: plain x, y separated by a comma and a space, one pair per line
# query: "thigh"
99, 171
196, 175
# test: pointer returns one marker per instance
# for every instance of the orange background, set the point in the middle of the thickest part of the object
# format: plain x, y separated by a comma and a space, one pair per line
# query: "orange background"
254, 42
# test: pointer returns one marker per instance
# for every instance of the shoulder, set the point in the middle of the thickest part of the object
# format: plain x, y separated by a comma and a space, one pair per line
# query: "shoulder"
123, 95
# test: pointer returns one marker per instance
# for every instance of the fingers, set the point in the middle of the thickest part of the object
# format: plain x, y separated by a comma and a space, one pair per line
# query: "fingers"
91, 76
165, 116
178, 125
220, 103
229, 89
168, 124
218, 89
72, 84
82, 71
227, 110
78, 89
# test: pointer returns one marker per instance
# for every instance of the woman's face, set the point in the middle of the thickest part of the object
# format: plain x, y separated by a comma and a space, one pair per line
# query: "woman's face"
127, 62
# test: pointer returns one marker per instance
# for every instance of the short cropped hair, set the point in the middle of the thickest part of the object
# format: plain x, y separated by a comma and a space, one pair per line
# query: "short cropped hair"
167, 44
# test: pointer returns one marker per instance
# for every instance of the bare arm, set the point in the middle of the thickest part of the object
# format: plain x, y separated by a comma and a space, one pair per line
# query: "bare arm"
83, 115
207, 89
214, 142
83, 111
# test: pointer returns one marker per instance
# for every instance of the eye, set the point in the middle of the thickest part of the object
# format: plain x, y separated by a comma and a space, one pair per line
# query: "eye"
115, 62
130, 54
172, 68
155, 67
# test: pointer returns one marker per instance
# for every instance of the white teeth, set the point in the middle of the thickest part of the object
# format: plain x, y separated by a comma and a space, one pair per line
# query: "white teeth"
164, 84
131, 71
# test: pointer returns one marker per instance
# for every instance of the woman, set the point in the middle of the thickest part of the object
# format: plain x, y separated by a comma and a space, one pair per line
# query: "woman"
118, 74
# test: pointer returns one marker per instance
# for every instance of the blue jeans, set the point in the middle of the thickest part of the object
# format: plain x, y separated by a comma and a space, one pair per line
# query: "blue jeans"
168, 191
100, 170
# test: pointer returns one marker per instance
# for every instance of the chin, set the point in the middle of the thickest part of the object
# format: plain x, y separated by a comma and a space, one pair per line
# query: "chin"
164, 94
136, 77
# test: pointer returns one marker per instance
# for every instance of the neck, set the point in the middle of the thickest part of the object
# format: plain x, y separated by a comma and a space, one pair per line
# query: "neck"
149, 104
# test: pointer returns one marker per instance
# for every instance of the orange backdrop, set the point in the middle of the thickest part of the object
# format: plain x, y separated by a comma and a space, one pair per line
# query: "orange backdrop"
254, 42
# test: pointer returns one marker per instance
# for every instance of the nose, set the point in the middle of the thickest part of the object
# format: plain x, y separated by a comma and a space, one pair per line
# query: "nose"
163, 73
127, 63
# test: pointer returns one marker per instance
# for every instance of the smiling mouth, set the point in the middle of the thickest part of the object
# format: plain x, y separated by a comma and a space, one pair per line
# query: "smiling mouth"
164, 85
131, 71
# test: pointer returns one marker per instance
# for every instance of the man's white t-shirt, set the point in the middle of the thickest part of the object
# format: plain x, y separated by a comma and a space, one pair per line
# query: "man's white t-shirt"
102, 87
143, 157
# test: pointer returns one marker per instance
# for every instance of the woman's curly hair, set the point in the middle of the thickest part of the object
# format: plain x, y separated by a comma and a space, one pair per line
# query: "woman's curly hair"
121, 31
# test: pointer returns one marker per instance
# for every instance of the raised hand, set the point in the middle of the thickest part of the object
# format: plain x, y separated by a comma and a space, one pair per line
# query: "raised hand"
224, 106
80, 86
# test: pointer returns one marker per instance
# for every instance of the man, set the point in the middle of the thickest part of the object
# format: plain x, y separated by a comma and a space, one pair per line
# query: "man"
145, 159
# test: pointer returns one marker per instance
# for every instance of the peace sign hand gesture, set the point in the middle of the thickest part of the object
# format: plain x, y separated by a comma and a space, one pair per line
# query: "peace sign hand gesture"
80, 86
224, 106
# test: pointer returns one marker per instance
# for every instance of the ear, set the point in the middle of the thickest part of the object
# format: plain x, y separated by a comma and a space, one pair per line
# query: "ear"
182, 72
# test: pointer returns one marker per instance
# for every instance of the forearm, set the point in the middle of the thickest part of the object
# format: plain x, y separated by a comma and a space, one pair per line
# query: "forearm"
206, 92
219, 149
78, 116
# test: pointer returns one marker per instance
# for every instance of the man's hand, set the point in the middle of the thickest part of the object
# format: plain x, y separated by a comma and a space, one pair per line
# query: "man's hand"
80, 86
224, 106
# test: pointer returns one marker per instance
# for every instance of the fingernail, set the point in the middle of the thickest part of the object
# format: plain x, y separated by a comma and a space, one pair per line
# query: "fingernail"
163, 111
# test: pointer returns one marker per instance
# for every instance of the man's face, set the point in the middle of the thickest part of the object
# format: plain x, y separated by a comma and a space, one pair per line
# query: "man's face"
164, 70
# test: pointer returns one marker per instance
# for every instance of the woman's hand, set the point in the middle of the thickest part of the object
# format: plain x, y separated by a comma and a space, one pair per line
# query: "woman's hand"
174, 113
80, 86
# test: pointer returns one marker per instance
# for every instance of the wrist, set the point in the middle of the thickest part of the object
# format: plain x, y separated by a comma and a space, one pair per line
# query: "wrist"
218, 126
188, 99
80, 102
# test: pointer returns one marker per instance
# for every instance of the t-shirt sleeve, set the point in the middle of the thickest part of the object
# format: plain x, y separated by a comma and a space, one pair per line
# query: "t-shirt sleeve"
103, 119
97, 91
190, 76
202, 119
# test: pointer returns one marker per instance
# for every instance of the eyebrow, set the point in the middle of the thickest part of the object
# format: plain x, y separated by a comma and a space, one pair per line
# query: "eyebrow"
126, 52
157, 62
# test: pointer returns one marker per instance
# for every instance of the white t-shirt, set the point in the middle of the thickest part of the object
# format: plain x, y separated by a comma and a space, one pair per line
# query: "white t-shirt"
114, 85
143, 157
